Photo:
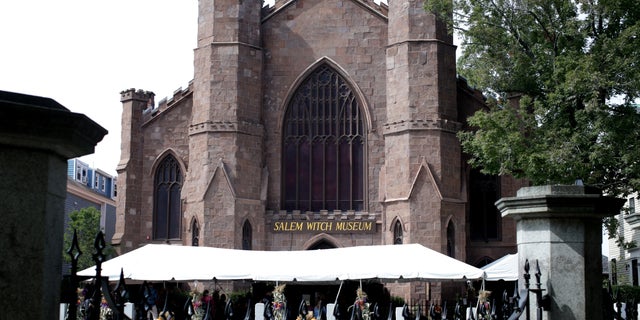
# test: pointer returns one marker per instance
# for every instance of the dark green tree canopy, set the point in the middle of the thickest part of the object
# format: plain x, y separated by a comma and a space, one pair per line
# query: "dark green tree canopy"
86, 223
561, 78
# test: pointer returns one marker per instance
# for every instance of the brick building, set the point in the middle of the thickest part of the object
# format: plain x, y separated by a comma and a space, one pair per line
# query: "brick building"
91, 187
311, 124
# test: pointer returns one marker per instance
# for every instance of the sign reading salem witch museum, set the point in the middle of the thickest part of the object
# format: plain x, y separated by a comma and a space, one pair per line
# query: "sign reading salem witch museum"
325, 226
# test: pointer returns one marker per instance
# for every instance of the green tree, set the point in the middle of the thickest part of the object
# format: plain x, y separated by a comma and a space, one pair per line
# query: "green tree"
561, 78
86, 223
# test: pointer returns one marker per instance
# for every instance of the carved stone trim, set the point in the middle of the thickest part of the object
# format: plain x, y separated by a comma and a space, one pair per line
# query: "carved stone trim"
420, 124
324, 215
227, 126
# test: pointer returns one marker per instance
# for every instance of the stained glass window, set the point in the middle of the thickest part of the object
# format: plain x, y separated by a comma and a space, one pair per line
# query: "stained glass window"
167, 208
323, 146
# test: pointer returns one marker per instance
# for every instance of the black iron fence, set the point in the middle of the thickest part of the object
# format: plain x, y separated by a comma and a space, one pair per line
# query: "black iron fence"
618, 307
97, 289
509, 306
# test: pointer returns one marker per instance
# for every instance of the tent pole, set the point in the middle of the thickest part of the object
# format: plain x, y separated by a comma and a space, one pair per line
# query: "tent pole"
339, 288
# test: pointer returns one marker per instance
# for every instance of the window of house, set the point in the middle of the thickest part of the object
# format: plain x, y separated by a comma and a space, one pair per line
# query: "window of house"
81, 173
397, 232
115, 189
614, 271
323, 146
632, 205
167, 208
485, 220
103, 184
634, 272
96, 181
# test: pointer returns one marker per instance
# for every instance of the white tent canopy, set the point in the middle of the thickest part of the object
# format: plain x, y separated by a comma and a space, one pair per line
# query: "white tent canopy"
158, 262
505, 268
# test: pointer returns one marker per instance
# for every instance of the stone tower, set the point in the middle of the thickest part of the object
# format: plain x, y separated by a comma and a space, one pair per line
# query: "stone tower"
129, 204
222, 188
422, 177
421, 148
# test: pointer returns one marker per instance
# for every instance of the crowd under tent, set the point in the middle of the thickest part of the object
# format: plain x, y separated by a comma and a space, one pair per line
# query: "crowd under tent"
161, 262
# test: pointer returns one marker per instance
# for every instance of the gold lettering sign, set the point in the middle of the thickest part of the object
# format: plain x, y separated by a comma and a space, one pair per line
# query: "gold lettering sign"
325, 226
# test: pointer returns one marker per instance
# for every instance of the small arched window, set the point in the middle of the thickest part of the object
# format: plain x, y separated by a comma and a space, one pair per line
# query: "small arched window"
195, 233
166, 205
247, 235
451, 240
323, 146
397, 232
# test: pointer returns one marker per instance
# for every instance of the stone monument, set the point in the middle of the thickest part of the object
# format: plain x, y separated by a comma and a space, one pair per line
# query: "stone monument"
37, 136
560, 227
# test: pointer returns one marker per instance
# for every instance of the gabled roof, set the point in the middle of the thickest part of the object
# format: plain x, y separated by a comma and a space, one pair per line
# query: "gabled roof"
379, 9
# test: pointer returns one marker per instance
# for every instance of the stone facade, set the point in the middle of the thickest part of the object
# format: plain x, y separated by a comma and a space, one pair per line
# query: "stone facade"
226, 130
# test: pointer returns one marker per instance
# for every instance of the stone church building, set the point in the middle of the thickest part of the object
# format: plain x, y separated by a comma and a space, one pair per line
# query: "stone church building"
311, 124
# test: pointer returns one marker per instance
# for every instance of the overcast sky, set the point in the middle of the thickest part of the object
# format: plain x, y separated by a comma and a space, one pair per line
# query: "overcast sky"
83, 53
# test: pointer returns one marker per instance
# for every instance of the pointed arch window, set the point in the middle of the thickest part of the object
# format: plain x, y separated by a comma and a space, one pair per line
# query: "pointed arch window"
247, 235
485, 219
195, 233
166, 205
322, 244
323, 146
397, 232
451, 240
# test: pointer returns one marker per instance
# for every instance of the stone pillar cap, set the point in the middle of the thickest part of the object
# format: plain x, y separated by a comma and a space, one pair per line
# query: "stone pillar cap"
559, 201
35, 122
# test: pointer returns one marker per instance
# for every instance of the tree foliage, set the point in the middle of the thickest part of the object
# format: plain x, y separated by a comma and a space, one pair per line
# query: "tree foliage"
561, 78
86, 223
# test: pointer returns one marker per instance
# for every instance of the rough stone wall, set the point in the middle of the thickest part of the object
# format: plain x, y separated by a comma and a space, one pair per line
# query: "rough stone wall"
226, 131
164, 132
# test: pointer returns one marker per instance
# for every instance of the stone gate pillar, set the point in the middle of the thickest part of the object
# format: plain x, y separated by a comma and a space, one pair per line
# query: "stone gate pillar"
561, 227
37, 136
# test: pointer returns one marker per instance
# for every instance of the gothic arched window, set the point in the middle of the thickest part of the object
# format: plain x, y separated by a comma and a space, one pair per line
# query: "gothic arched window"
247, 235
451, 240
485, 220
166, 204
323, 146
195, 233
397, 232
322, 244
